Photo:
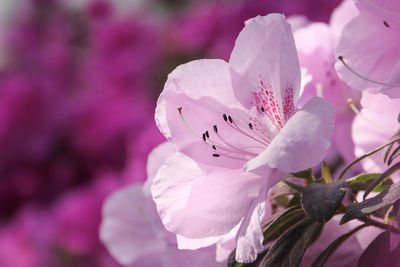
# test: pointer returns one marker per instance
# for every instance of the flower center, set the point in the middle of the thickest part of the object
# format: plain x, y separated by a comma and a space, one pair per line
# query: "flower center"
222, 147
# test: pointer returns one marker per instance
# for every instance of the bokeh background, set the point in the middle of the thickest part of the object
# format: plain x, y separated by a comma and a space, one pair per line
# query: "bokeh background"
79, 81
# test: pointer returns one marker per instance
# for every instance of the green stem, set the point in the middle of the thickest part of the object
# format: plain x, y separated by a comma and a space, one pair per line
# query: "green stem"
365, 156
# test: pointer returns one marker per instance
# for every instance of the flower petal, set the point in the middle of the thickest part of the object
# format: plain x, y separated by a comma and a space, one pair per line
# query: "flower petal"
193, 244
203, 90
196, 202
129, 232
308, 132
197, 258
250, 236
155, 160
372, 50
374, 127
264, 66
384, 10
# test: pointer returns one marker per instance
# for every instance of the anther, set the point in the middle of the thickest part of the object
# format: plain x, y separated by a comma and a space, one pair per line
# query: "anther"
398, 118
230, 119
215, 155
207, 134
365, 78
262, 109
225, 117
213, 146
386, 24
215, 128
251, 126
204, 137
180, 110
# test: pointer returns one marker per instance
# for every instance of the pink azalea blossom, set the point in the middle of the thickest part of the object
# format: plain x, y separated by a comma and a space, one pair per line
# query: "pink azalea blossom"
373, 127
135, 235
370, 45
315, 45
231, 117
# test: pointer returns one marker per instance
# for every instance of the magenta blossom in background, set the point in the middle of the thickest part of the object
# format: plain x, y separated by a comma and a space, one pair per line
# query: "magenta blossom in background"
210, 27
223, 117
370, 45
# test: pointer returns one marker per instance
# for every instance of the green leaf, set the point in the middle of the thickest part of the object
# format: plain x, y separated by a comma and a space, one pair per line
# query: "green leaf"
384, 175
289, 248
389, 148
361, 182
320, 201
279, 222
371, 205
298, 188
365, 156
326, 173
323, 257
306, 174
362, 179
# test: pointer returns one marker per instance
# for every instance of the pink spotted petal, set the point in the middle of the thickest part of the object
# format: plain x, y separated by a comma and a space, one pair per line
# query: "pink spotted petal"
265, 69
198, 203
203, 89
308, 132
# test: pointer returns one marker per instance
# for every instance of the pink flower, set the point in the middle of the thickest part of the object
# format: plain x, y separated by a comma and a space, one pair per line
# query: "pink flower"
315, 45
370, 46
234, 116
135, 235
373, 127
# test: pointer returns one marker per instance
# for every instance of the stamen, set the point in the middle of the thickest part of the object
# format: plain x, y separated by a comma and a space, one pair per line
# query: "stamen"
382, 9
352, 106
251, 126
262, 109
228, 156
206, 138
365, 78
235, 149
215, 128
386, 24
234, 126
398, 118
187, 125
